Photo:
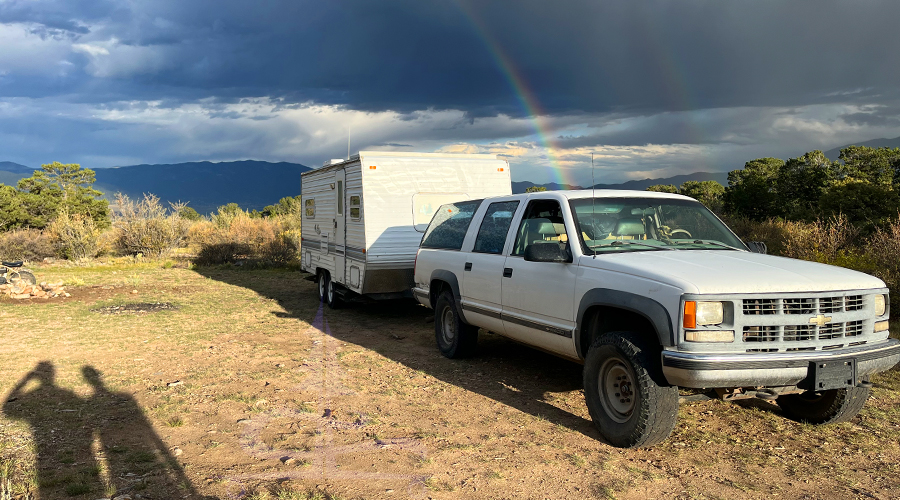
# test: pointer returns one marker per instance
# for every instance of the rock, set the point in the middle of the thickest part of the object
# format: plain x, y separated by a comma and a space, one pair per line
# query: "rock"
20, 296
327, 413
244, 421
173, 384
177, 451
123, 497
134, 291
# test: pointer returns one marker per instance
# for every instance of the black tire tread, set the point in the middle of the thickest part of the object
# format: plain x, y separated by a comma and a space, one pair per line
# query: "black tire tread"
466, 334
26, 277
840, 406
659, 413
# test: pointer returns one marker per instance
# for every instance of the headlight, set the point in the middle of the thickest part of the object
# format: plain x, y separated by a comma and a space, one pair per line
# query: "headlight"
881, 326
702, 313
880, 305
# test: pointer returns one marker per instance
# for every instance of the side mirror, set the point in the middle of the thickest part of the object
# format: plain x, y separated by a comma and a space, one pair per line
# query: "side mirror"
758, 247
546, 252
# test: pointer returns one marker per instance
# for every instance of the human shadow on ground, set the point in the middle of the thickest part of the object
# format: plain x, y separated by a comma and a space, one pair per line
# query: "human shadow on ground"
96, 446
502, 370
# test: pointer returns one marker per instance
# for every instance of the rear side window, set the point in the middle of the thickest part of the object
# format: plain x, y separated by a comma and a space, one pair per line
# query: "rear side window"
449, 225
495, 227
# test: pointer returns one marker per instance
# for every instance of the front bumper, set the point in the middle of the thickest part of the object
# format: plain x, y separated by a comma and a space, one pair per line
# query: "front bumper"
705, 371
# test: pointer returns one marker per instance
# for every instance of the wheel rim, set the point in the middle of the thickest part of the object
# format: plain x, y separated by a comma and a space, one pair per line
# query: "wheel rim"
617, 389
448, 326
321, 286
330, 289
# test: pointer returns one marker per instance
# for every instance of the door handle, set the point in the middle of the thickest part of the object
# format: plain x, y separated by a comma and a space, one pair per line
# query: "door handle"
468, 266
507, 272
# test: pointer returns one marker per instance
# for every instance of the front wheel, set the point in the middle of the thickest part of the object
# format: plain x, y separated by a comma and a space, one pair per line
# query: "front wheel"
25, 277
455, 338
629, 408
825, 407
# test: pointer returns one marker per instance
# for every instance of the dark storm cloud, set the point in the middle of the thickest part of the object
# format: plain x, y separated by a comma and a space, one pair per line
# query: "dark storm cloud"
407, 55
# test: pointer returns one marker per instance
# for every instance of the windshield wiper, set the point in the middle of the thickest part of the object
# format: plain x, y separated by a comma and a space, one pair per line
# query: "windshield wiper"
701, 242
623, 243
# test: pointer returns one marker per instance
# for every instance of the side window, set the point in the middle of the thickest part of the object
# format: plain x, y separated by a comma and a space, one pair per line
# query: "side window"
355, 209
340, 197
310, 207
542, 221
449, 225
495, 227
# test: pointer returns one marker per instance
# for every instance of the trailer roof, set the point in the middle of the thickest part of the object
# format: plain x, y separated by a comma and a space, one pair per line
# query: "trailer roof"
401, 154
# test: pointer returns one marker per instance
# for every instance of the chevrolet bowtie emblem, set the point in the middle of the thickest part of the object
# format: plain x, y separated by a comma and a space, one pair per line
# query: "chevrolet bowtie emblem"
820, 320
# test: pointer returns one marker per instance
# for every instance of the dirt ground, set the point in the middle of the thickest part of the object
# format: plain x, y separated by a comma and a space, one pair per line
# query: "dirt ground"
244, 386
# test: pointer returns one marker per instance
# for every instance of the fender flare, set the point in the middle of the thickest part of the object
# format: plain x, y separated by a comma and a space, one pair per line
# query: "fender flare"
451, 279
653, 311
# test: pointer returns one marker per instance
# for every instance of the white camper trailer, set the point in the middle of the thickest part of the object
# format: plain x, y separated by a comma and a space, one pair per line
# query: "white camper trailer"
364, 217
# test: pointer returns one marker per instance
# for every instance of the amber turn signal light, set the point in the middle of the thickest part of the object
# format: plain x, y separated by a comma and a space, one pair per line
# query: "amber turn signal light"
690, 314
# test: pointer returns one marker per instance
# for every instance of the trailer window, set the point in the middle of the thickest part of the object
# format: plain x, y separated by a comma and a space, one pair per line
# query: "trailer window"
354, 208
449, 225
340, 197
310, 207
495, 226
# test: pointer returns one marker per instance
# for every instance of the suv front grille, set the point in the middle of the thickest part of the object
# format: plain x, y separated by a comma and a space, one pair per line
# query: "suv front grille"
803, 305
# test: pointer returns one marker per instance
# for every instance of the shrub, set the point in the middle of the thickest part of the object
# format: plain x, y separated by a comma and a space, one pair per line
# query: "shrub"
234, 235
26, 244
821, 241
75, 236
146, 227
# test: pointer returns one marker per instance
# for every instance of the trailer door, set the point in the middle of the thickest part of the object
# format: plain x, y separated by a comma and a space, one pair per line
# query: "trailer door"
340, 228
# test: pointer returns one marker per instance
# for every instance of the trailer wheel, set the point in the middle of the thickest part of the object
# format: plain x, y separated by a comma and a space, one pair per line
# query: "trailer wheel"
628, 407
322, 284
331, 296
455, 338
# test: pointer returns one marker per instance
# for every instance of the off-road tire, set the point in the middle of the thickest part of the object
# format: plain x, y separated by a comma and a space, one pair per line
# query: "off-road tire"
651, 411
23, 277
455, 338
332, 298
825, 407
322, 284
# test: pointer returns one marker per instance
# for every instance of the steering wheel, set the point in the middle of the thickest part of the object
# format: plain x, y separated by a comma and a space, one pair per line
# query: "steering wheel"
673, 232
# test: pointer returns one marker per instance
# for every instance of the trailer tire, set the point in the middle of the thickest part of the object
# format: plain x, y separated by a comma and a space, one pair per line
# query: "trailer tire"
626, 404
331, 296
827, 407
455, 338
322, 284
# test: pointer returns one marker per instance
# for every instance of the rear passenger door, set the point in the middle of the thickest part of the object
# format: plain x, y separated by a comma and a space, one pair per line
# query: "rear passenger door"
483, 269
538, 297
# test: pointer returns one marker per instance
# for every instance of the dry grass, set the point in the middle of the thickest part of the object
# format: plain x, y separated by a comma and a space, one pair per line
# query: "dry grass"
259, 361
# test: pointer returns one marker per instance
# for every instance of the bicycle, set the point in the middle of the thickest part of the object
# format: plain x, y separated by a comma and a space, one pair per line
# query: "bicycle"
12, 272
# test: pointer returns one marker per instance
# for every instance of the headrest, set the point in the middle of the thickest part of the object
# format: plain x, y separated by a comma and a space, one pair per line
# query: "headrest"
629, 227
542, 226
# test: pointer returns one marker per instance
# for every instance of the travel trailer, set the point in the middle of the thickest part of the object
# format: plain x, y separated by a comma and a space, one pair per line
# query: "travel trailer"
364, 217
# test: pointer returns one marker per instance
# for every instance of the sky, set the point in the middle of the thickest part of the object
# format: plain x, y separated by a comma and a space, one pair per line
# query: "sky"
649, 88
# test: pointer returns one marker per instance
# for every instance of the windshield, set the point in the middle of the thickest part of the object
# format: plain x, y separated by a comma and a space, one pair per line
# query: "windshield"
647, 224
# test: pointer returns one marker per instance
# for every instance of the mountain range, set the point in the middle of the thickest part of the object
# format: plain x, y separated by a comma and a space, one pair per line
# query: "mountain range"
254, 184
833, 154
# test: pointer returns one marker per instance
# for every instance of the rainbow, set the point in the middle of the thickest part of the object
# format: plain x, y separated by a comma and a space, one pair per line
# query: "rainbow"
677, 91
524, 94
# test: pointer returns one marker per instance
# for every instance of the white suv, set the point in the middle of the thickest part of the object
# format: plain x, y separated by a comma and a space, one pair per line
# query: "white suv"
651, 291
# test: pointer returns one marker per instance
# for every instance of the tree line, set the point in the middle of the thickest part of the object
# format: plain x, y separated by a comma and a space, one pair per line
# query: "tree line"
863, 185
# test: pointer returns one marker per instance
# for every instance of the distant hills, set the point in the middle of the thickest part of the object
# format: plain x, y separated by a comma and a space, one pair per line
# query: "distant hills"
636, 185
204, 185
833, 154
